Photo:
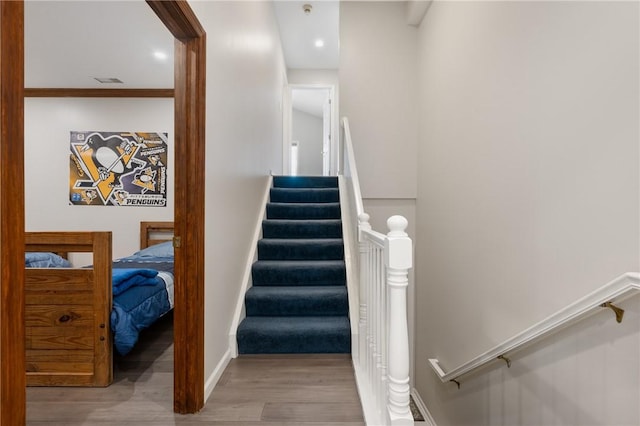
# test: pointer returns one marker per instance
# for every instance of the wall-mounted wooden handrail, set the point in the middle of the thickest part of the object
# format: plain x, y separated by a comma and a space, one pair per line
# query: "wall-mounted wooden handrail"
621, 288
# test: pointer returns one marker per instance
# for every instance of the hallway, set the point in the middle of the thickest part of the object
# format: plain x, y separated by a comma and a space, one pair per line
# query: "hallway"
261, 390
288, 390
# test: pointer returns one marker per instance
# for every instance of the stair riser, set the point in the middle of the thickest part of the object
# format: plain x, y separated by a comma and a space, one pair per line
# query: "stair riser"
319, 344
290, 229
303, 211
276, 250
254, 338
279, 304
305, 182
304, 195
293, 276
327, 307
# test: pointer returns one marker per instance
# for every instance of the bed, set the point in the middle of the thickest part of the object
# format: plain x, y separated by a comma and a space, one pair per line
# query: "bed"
77, 317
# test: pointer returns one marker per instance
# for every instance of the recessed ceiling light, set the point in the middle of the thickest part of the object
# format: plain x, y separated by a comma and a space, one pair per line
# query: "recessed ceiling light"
108, 79
319, 42
161, 56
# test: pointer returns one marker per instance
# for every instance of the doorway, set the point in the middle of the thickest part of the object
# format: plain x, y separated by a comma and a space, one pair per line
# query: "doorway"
309, 140
189, 96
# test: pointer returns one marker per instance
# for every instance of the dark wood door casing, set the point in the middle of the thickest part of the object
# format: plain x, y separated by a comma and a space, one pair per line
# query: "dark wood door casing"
12, 331
189, 97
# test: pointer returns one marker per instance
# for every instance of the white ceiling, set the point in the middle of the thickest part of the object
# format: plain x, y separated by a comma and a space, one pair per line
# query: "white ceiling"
69, 43
299, 31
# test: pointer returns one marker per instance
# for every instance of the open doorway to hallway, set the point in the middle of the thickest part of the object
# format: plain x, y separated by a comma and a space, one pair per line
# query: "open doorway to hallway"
308, 137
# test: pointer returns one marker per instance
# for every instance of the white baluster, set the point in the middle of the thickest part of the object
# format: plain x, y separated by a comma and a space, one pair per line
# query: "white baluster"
374, 320
384, 338
380, 285
363, 224
398, 261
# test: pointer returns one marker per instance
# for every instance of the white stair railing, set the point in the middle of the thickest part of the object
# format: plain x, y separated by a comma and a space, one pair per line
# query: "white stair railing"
382, 359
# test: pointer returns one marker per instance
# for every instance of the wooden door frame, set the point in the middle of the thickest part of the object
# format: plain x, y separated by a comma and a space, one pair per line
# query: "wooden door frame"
190, 93
12, 332
189, 99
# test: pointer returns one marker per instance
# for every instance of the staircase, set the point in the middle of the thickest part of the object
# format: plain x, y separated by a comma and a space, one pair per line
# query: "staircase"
298, 302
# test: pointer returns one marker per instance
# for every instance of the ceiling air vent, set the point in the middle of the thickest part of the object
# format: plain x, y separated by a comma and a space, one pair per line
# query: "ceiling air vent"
108, 80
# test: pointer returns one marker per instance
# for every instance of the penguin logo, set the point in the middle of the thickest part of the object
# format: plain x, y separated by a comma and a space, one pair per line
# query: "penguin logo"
146, 179
88, 195
120, 197
105, 159
108, 155
155, 160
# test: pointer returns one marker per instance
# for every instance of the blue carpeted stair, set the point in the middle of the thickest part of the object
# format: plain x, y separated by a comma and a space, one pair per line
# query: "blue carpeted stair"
298, 302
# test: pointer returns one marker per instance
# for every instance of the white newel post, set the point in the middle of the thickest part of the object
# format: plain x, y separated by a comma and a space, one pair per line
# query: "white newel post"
363, 224
398, 262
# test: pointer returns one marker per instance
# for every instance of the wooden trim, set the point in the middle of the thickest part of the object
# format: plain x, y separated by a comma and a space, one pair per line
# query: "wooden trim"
178, 17
189, 95
152, 233
96, 93
189, 218
12, 333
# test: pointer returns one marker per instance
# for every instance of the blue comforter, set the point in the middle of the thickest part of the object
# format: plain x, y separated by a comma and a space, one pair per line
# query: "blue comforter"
125, 278
139, 306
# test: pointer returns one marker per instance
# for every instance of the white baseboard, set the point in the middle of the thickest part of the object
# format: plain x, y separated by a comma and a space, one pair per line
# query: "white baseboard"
212, 381
368, 405
233, 345
428, 418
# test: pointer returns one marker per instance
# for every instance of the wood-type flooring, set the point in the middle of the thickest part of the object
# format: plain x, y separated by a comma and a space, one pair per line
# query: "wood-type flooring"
260, 390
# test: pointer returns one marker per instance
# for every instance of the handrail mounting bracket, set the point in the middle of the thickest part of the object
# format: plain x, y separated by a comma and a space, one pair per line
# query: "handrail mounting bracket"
505, 359
618, 311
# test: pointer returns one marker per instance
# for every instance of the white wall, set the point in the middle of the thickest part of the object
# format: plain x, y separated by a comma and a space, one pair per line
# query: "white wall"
48, 122
245, 81
307, 130
378, 79
528, 200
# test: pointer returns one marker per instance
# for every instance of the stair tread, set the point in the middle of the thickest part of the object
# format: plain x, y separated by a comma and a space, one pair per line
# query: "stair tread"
300, 323
299, 272
300, 241
307, 222
305, 195
306, 264
298, 190
301, 229
300, 249
305, 205
297, 301
318, 290
294, 335
303, 211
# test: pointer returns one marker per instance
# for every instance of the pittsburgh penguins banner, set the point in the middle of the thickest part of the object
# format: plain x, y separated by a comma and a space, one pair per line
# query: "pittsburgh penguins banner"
118, 169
